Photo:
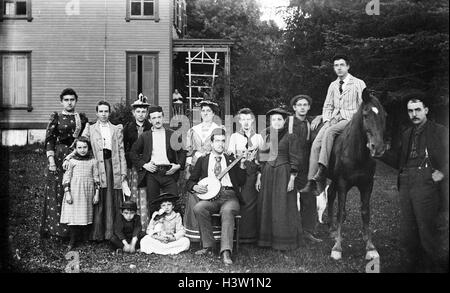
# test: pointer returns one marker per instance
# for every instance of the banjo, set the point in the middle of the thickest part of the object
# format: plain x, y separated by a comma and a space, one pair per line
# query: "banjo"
213, 183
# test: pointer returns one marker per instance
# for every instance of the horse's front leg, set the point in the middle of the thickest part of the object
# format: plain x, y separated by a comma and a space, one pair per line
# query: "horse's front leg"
366, 191
336, 252
331, 199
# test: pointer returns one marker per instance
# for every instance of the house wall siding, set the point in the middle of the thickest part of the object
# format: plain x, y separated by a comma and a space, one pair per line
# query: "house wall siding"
86, 52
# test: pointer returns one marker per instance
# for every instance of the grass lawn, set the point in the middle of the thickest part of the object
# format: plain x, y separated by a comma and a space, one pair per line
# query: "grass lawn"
26, 189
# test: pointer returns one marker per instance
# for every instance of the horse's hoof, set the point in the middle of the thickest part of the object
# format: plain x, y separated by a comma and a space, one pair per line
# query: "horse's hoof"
336, 255
372, 254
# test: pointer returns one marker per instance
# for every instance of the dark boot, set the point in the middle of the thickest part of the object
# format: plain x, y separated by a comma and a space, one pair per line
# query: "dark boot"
310, 236
321, 179
309, 187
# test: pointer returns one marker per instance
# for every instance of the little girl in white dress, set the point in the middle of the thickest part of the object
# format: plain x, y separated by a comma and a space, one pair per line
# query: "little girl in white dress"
165, 232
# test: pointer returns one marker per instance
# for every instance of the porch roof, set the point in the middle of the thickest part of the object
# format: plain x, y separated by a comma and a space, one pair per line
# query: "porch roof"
213, 45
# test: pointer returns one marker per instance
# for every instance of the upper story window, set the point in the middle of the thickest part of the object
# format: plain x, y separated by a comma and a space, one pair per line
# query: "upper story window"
142, 9
15, 9
179, 16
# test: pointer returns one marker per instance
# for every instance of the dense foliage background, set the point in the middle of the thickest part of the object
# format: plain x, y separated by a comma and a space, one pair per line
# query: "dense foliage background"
403, 48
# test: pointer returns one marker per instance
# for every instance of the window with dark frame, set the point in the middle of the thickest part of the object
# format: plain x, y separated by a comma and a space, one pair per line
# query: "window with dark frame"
142, 9
15, 80
142, 76
15, 9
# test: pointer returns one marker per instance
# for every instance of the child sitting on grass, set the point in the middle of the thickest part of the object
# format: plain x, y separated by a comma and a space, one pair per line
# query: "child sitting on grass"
81, 184
165, 232
127, 229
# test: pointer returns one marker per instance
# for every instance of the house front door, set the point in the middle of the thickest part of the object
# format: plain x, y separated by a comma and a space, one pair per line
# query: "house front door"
142, 76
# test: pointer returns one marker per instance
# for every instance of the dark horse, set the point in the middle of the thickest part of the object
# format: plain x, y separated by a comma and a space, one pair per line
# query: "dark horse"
352, 164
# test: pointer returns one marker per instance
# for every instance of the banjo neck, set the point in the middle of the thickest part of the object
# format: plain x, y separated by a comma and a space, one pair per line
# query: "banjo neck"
232, 165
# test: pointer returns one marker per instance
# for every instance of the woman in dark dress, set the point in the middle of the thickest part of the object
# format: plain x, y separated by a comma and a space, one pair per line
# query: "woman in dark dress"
131, 132
62, 130
279, 224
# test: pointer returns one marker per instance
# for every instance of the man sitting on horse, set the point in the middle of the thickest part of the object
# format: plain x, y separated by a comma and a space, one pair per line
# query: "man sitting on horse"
343, 99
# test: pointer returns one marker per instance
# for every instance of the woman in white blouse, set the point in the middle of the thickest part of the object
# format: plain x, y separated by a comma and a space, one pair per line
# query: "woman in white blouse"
246, 140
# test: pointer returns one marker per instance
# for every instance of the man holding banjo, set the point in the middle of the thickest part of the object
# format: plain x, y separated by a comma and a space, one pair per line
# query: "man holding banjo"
216, 179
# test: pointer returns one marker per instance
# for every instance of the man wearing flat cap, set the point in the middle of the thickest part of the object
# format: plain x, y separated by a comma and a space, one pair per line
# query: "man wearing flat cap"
302, 125
157, 161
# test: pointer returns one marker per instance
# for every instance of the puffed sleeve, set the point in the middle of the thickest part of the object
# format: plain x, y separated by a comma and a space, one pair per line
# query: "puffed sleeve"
179, 228
96, 173
84, 122
51, 134
232, 144
68, 174
189, 146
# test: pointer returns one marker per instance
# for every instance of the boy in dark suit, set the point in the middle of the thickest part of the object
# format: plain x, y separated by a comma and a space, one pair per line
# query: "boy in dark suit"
228, 200
127, 229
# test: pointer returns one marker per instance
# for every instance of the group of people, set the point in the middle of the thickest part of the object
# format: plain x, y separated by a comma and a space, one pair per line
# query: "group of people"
121, 184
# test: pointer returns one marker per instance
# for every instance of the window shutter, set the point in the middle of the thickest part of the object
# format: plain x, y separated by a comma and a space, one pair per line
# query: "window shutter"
156, 10
20, 86
148, 78
133, 76
29, 15
8, 77
1, 9
127, 16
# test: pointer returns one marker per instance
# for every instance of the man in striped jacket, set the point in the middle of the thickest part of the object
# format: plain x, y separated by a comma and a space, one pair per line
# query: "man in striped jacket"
342, 102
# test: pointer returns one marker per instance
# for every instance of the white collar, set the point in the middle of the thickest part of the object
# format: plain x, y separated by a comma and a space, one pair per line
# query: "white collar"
103, 125
64, 112
346, 79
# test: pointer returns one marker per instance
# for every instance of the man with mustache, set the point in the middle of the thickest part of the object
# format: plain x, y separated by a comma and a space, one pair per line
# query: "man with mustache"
157, 162
422, 161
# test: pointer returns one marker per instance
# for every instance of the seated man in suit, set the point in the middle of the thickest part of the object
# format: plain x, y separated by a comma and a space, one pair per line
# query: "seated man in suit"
227, 201
158, 162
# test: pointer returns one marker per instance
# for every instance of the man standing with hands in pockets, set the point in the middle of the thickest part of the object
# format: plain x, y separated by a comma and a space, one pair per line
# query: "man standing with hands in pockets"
157, 162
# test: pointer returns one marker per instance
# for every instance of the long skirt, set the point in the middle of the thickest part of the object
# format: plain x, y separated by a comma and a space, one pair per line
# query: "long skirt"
108, 207
150, 245
189, 219
279, 224
139, 195
249, 195
53, 197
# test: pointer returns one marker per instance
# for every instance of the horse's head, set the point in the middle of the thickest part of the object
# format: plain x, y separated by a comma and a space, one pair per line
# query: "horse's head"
374, 123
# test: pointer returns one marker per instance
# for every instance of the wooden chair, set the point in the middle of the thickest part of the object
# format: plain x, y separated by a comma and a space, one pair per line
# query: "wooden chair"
217, 228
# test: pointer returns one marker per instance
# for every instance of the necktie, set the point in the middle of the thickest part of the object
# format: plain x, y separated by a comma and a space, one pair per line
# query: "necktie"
248, 144
341, 82
217, 166
413, 154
